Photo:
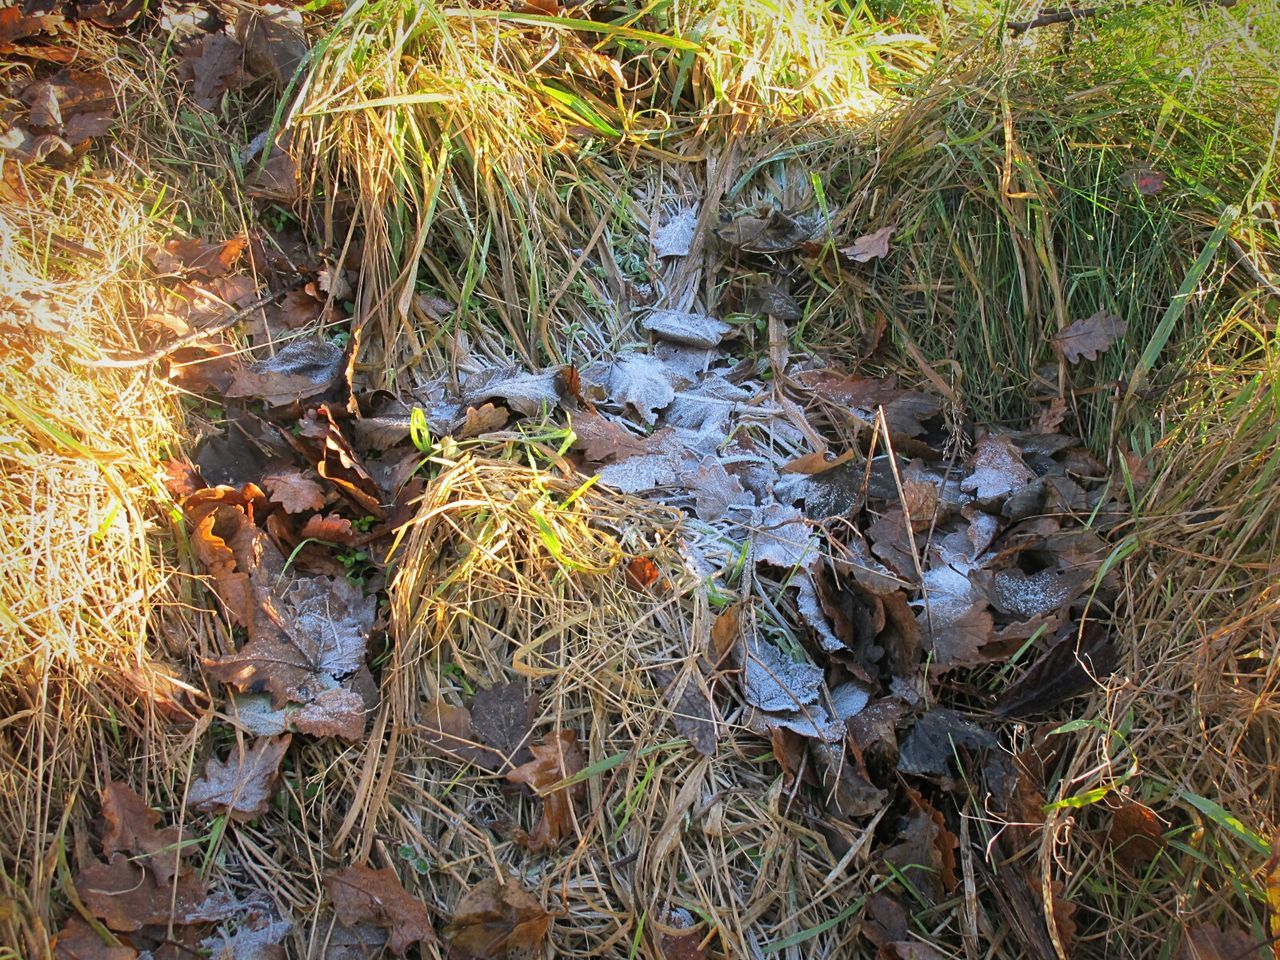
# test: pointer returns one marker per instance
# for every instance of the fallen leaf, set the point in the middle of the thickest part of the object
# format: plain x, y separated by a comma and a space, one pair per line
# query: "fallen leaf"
484, 419
337, 461
690, 329
330, 529
1135, 834
781, 537
816, 462
294, 491
1067, 669
601, 440
1051, 417
273, 41
642, 383
1207, 941
904, 410
1088, 339
337, 712
302, 369
126, 897
213, 65
676, 939
641, 573
930, 749
675, 237
502, 717
926, 850
361, 894
79, 941
131, 828
726, 630
692, 711
1145, 179
556, 758
915, 950
495, 919
16, 24
192, 255
869, 247
1027, 596
448, 731
996, 470
259, 937
528, 394
241, 786
767, 230
571, 384
276, 177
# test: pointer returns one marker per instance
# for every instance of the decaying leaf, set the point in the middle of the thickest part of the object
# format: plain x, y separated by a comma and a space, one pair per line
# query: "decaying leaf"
480, 420
692, 711
641, 573
241, 786
79, 941
680, 935
1089, 338
869, 247
502, 717
930, 749
273, 40
905, 411
336, 712
556, 758
126, 897
131, 828
361, 894
213, 65
450, 732
767, 230
926, 850
1135, 834
601, 440
495, 919
337, 461
1145, 179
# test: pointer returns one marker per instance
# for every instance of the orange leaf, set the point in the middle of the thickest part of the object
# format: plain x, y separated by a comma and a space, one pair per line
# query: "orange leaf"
641, 573
557, 758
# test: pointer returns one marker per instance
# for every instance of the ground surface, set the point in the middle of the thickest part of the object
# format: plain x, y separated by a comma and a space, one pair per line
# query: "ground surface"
695, 481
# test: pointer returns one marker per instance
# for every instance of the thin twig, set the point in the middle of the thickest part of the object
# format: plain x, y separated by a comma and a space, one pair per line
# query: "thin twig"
142, 359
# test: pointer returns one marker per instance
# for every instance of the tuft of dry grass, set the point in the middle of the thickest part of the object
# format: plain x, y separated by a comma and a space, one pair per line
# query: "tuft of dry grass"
83, 565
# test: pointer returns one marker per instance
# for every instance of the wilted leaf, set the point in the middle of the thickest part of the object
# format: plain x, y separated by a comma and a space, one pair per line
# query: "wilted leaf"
926, 850
1208, 941
77, 940
869, 247
273, 41
496, 919
691, 329
503, 716
302, 369
1066, 670
1028, 596
294, 491
641, 573
692, 711
449, 732
1135, 833
126, 897
775, 683
361, 894
241, 786
1087, 339
131, 828
726, 630
337, 461
929, 750
817, 463
213, 65
557, 758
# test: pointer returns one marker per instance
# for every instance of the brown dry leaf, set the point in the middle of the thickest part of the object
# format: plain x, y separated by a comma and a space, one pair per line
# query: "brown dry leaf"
1135, 834
213, 65
693, 714
766, 230
330, 529
131, 828
16, 25
920, 503
1068, 669
294, 491
126, 897
275, 178
1087, 339
303, 368
337, 461
725, 632
503, 716
1207, 941
297, 309
926, 850
204, 368
449, 732
1051, 417
273, 40
602, 441
1145, 179
571, 384
480, 420
869, 247
904, 410
816, 462
79, 941
676, 941
361, 894
496, 919
241, 787
192, 255
557, 758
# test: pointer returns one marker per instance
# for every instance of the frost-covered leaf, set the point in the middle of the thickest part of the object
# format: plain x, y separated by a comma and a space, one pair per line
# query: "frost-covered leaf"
260, 937
1088, 339
929, 749
809, 607
690, 329
503, 716
241, 786
526, 393
781, 537
482, 419
642, 383
601, 440
641, 474
953, 613
997, 469
302, 369
1033, 595
335, 712
871, 246
675, 237
714, 490
775, 683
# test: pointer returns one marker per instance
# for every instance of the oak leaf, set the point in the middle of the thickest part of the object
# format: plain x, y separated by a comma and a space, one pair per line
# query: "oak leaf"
294, 491
1087, 339
361, 894
241, 786
556, 758
495, 919
330, 529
